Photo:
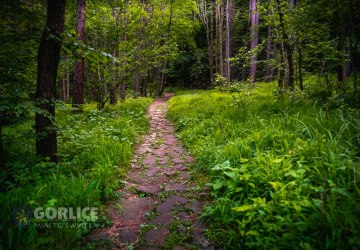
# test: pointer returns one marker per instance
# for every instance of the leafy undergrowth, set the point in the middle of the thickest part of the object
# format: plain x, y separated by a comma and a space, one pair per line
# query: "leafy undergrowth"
95, 149
284, 171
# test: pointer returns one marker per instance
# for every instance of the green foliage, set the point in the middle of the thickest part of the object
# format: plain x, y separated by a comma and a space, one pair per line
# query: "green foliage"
95, 149
283, 172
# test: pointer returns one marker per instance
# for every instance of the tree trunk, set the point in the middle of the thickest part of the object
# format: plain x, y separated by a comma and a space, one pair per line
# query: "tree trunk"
221, 28
269, 55
113, 95
203, 14
163, 74
281, 69
351, 48
63, 89
2, 151
217, 23
301, 85
289, 55
67, 81
212, 41
341, 68
228, 41
254, 39
48, 60
144, 88
210, 54
287, 48
78, 89
137, 83
123, 91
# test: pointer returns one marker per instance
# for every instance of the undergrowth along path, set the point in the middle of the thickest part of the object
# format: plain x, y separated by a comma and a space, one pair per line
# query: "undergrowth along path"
159, 205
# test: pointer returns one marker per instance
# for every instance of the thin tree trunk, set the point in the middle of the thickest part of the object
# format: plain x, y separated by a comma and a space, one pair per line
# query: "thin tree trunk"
341, 69
217, 24
281, 69
123, 91
144, 88
212, 41
351, 48
210, 54
137, 83
2, 151
289, 55
163, 74
78, 88
48, 60
63, 89
113, 95
203, 14
269, 52
67, 80
287, 48
221, 47
228, 41
254, 39
301, 85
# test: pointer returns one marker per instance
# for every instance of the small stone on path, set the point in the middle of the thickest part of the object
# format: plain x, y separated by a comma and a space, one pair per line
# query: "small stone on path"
157, 235
150, 189
176, 187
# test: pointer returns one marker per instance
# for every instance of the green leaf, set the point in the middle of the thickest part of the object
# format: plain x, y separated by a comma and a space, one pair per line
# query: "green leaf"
243, 208
232, 175
276, 185
52, 202
217, 185
252, 232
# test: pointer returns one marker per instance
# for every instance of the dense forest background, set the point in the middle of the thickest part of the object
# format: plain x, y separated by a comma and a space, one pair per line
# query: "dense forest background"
72, 71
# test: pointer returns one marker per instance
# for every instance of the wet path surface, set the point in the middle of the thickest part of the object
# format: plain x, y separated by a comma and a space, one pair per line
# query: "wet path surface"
159, 205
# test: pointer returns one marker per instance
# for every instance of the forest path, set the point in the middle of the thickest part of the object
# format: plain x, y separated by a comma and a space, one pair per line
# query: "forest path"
159, 205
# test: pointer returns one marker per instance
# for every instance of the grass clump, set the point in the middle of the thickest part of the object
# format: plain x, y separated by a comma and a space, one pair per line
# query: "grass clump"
94, 149
284, 171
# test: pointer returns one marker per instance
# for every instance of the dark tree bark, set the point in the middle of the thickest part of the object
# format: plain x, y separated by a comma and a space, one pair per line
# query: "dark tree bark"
341, 68
123, 91
137, 83
254, 39
48, 60
78, 90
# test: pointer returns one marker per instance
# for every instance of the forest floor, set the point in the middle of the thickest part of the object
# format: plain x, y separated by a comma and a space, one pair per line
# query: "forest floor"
159, 204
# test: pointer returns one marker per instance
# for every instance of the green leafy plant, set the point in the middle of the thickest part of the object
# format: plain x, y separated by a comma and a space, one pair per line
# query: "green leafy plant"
283, 176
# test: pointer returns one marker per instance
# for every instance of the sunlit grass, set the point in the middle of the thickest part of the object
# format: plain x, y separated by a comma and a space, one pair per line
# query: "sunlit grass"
284, 170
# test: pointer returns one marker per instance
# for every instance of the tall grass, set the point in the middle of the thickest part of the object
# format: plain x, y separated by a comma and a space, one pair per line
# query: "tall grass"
95, 149
284, 173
